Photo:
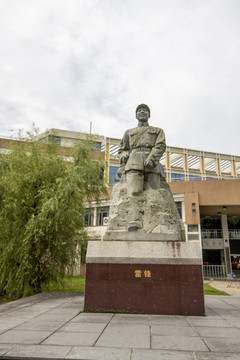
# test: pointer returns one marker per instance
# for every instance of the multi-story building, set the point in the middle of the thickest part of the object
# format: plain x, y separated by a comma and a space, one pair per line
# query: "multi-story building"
208, 204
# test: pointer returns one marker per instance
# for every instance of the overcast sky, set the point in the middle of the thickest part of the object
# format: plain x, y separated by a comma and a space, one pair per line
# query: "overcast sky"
65, 63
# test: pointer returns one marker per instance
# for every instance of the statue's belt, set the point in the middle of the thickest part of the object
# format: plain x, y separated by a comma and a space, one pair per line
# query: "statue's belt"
141, 148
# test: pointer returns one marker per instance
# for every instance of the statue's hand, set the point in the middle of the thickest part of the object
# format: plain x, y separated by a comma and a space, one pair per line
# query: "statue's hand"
124, 159
149, 163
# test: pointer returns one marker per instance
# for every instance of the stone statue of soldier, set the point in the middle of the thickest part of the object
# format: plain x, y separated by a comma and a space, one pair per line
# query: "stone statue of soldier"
140, 151
142, 202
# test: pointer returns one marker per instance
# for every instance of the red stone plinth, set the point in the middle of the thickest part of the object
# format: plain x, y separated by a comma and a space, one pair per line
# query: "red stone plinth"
142, 288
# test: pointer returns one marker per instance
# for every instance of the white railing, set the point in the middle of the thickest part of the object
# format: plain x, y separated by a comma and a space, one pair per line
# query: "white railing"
214, 271
234, 234
217, 233
211, 233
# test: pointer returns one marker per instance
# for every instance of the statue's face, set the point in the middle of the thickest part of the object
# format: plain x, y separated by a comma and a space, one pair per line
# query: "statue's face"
143, 114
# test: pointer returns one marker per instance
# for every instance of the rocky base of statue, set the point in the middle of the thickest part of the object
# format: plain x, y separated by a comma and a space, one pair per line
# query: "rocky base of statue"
144, 277
150, 215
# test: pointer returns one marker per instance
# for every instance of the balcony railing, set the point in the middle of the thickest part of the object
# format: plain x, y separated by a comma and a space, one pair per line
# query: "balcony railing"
211, 233
217, 233
214, 271
234, 234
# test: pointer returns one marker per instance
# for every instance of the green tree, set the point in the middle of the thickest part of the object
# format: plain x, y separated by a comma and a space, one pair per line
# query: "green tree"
41, 212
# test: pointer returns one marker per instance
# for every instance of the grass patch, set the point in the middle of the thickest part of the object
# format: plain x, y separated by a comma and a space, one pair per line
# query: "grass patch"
209, 290
67, 284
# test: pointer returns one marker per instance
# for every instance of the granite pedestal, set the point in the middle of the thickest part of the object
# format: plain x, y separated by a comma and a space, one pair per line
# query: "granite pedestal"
150, 277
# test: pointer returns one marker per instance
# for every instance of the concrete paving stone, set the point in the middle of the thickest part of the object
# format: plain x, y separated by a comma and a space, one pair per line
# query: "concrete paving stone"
184, 343
52, 303
209, 317
40, 308
39, 351
36, 307
216, 356
210, 312
7, 306
172, 330
161, 355
88, 353
220, 332
125, 336
132, 328
72, 338
230, 312
70, 305
203, 318
233, 321
55, 317
23, 336
223, 311
46, 308
83, 327
12, 321
210, 322
130, 319
17, 315
221, 306
43, 325
65, 311
223, 345
232, 300
32, 314
44, 321
27, 309
52, 298
215, 298
4, 326
6, 310
93, 318
169, 321
4, 348
77, 300
230, 316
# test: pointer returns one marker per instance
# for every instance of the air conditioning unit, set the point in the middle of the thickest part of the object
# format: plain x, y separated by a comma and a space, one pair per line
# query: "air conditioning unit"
105, 220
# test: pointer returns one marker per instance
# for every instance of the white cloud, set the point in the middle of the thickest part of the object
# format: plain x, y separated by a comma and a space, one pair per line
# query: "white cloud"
64, 64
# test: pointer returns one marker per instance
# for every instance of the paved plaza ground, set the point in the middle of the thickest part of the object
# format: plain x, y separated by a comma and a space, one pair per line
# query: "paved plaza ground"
51, 326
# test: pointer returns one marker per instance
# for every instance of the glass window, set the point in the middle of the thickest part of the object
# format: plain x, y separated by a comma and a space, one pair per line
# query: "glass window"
179, 208
113, 176
192, 228
212, 257
101, 214
194, 178
54, 139
97, 146
211, 178
193, 237
88, 217
236, 265
177, 177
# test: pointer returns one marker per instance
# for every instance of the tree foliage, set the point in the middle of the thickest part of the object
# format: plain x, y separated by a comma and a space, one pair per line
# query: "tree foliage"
41, 212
